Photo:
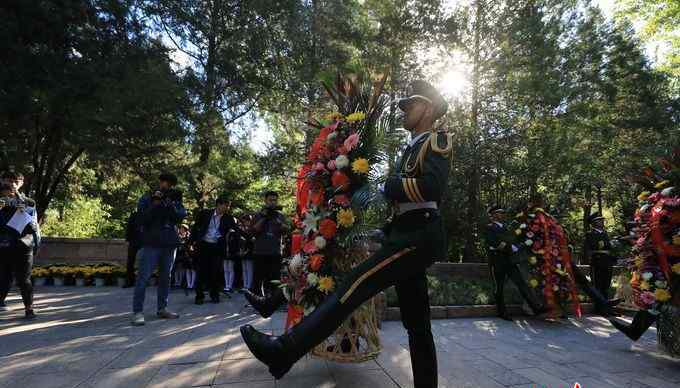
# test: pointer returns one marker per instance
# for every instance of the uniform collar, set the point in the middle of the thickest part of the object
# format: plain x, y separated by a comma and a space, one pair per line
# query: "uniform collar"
415, 140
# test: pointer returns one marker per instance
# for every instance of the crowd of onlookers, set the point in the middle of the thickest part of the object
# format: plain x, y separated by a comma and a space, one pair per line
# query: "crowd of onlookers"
216, 254
213, 256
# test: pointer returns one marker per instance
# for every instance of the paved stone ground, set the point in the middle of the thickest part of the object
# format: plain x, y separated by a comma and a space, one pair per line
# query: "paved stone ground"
83, 339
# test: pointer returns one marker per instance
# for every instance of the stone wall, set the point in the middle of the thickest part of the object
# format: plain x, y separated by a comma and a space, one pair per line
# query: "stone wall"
81, 251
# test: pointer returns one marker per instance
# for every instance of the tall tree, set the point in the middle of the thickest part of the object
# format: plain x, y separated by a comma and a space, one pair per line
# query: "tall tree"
81, 78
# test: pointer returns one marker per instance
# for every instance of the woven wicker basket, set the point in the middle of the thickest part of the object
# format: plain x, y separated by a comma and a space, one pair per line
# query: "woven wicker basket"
357, 339
668, 330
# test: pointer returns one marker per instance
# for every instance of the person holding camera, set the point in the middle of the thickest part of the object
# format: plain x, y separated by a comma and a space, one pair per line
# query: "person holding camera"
159, 213
209, 234
269, 228
19, 239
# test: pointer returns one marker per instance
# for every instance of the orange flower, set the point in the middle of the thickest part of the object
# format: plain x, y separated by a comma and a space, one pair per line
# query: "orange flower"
315, 262
328, 228
340, 180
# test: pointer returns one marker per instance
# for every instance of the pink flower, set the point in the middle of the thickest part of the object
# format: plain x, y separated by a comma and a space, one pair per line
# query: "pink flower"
352, 141
331, 164
647, 298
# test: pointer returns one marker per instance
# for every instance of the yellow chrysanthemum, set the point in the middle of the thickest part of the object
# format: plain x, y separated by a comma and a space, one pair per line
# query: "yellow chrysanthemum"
326, 284
644, 285
360, 166
333, 116
676, 268
676, 239
643, 196
662, 184
356, 116
639, 261
533, 283
662, 295
346, 218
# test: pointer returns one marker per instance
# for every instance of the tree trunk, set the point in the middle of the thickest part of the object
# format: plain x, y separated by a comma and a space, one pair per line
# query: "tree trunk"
470, 250
587, 208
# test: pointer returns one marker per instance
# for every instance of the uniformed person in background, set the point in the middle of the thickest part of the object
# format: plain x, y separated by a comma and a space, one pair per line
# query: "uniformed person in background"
504, 262
416, 238
598, 250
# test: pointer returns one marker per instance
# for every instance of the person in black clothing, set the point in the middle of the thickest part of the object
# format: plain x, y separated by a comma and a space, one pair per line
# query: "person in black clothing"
503, 262
17, 248
209, 234
133, 237
269, 228
598, 248
246, 252
232, 257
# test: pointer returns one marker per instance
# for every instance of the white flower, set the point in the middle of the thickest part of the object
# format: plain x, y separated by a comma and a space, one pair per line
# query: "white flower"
528, 243
310, 222
647, 275
660, 284
556, 287
312, 279
295, 264
341, 161
667, 191
523, 226
559, 266
320, 242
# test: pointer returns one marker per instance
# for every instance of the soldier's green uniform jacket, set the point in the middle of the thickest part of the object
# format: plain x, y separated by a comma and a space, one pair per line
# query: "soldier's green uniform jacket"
423, 172
599, 246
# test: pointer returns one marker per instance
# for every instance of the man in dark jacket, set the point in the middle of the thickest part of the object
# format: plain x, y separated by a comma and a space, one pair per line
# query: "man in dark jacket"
209, 234
159, 214
134, 240
17, 246
269, 228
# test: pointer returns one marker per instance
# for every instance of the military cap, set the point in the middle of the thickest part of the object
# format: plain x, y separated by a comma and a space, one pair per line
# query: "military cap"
422, 90
595, 217
496, 209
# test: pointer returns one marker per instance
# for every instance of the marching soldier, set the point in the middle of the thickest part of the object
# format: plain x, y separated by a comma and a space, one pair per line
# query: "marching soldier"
416, 239
598, 248
503, 262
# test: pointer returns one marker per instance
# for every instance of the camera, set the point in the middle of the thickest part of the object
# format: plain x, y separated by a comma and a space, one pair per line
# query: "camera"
167, 196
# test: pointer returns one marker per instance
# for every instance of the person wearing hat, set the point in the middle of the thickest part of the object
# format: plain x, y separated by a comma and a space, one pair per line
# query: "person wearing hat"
598, 250
159, 214
415, 239
503, 262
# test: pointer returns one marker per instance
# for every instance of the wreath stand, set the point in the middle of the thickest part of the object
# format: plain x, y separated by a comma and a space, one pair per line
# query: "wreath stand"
357, 339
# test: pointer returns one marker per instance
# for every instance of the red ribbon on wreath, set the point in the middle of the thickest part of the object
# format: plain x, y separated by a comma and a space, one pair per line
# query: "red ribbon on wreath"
657, 229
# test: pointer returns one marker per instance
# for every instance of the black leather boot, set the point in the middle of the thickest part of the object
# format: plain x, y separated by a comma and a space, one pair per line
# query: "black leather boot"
280, 353
266, 306
641, 322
